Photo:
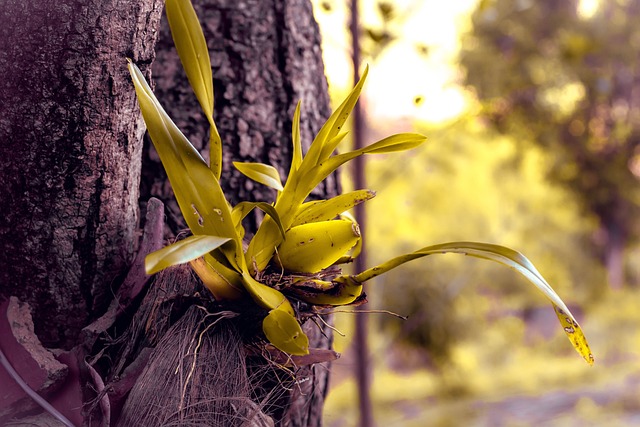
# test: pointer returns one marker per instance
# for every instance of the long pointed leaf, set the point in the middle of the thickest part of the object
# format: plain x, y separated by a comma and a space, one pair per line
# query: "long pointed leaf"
296, 158
267, 238
261, 173
324, 210
331, 145
182, 252
505, 256
194, 55
398, 142
197, 190
332, 126
266, 296
215, 150
192, 50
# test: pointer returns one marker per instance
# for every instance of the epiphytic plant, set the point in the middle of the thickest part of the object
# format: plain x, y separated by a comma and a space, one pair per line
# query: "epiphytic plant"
302, 239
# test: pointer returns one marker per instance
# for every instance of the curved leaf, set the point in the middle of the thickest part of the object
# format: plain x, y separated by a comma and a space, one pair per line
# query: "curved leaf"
182, 252
318, 151
192, 50
504, 256
259, 172
263, 245
332, 144
283, 331
215, 150
296, 158
324, 210
223, 282
197, 190
266, 296
242, 209
398, 142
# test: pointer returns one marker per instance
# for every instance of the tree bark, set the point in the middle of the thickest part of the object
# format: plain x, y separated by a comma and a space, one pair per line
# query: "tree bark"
70, 140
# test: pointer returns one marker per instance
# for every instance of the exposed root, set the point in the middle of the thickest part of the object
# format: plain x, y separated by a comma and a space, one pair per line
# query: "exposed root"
195, 377
220, 316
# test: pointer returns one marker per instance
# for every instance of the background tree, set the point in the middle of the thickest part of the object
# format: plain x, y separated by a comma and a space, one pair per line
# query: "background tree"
549, 73
73, 136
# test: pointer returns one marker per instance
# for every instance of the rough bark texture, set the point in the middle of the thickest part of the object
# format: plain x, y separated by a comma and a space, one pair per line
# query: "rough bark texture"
70, 146
307, 397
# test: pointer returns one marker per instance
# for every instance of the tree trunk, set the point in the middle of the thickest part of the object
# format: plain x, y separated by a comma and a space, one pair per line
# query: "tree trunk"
70, 143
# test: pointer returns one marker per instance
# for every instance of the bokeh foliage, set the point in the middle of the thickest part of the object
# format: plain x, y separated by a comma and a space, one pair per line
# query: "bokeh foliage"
486, 178
569, 82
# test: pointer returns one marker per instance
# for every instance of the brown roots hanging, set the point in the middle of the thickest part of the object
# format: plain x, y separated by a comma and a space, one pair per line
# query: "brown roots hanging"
196, 376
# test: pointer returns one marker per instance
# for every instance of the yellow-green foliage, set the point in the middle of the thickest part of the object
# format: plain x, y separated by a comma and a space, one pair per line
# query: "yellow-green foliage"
494, 358
470, 182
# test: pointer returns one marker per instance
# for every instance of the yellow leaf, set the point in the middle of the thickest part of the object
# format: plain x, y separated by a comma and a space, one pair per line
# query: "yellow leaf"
194, 55
283, 331
259, 172
182, 252
504, 256
192, 50
574, 332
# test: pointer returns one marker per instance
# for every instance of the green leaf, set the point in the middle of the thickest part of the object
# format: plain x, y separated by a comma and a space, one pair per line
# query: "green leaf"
192, 50
181, 252
215, 150
393, 143
194, 55
315, 167
323, 210
296, 158
283, 331
261, 247
242, 209
266, 296
398, 142
504, 256
318, 151
259, 172
198, 192
263, 244
331, 145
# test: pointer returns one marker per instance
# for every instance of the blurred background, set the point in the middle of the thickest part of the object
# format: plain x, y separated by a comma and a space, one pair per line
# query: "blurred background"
532, 109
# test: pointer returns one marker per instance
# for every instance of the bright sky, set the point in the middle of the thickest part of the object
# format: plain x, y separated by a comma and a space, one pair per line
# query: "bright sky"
401, 73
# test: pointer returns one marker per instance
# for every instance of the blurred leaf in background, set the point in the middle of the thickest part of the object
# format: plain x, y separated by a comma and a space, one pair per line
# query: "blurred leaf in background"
567, 78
